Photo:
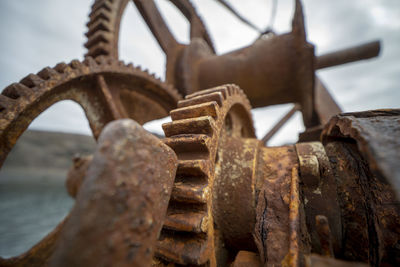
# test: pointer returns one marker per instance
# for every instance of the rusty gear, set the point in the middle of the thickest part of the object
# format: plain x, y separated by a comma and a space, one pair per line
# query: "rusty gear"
105, 19
120, 89
199, 123
103, 28
233, 200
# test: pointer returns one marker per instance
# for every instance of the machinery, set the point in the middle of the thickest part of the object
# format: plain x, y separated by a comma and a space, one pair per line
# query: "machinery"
210, 193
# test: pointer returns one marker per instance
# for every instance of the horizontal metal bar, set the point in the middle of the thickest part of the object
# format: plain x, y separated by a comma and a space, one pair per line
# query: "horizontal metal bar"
355, 53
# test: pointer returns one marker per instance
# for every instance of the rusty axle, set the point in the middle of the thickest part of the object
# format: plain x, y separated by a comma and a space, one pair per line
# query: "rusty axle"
348, 55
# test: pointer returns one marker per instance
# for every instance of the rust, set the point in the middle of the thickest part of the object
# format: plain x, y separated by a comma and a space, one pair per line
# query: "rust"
77, 174
368, 207
319, 192
199, 125
356, 53
132, 89
210, 193
318, 261
273, 70
324, 234
293, 257
124, 195
246, 258
235, 178
274, 175
377, 134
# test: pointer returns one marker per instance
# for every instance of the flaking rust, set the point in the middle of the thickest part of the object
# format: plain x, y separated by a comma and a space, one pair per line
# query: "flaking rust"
210, 193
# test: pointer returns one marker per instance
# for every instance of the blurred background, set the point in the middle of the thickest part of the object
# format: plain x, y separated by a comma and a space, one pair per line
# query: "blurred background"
40, 33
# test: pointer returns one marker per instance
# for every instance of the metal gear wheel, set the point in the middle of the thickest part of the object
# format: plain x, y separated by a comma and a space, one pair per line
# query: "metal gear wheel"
200, 123
106, 88
105, 19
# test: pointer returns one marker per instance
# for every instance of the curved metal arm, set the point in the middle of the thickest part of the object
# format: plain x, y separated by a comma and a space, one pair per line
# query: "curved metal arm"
121, 205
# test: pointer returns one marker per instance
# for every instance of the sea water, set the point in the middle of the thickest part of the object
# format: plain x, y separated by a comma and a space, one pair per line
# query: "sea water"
31, 205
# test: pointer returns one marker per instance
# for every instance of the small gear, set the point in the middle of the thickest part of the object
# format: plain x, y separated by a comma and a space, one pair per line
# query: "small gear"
199, 123
107, 89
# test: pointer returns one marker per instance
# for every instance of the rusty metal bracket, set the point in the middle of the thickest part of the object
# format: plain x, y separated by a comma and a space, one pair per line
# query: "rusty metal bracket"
319, 191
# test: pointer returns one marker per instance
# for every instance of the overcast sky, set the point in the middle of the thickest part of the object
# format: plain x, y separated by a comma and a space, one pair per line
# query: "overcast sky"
40, 33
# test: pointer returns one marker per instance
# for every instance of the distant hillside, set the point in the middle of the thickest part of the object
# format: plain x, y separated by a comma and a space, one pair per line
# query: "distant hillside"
44, 154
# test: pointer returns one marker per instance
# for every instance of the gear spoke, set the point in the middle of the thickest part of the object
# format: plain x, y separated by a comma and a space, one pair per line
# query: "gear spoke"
115, 111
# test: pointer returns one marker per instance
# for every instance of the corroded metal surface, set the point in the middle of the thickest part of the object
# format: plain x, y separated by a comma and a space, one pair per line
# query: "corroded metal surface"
77, 174
231, 201
274, 70
315, 260
201, 120
368, 206
121, 91
235, 191
319, 192
377, 134
365, 51
247, 258
121, 205
272, 228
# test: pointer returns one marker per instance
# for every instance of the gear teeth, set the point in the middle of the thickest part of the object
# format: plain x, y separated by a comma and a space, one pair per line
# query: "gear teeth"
103, 28
102, 13
31, 80
189, 146
46, 73
183, 249
100, 49
232, 89
215, 96
62, 67
200, 125
188, 235
195, 222
192, 168
5, 102
101, 24
224, 90
102, 4
190, 192
16, 90
90, 62
102, 60
204, 109
75, 64
121, 63
54, 84
98, 37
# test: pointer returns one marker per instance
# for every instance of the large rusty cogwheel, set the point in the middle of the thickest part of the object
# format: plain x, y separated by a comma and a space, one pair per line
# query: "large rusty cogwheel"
106, 89
200, 123
105, 19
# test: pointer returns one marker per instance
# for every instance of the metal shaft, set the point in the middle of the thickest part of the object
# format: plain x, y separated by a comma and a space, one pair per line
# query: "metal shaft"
355, 53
